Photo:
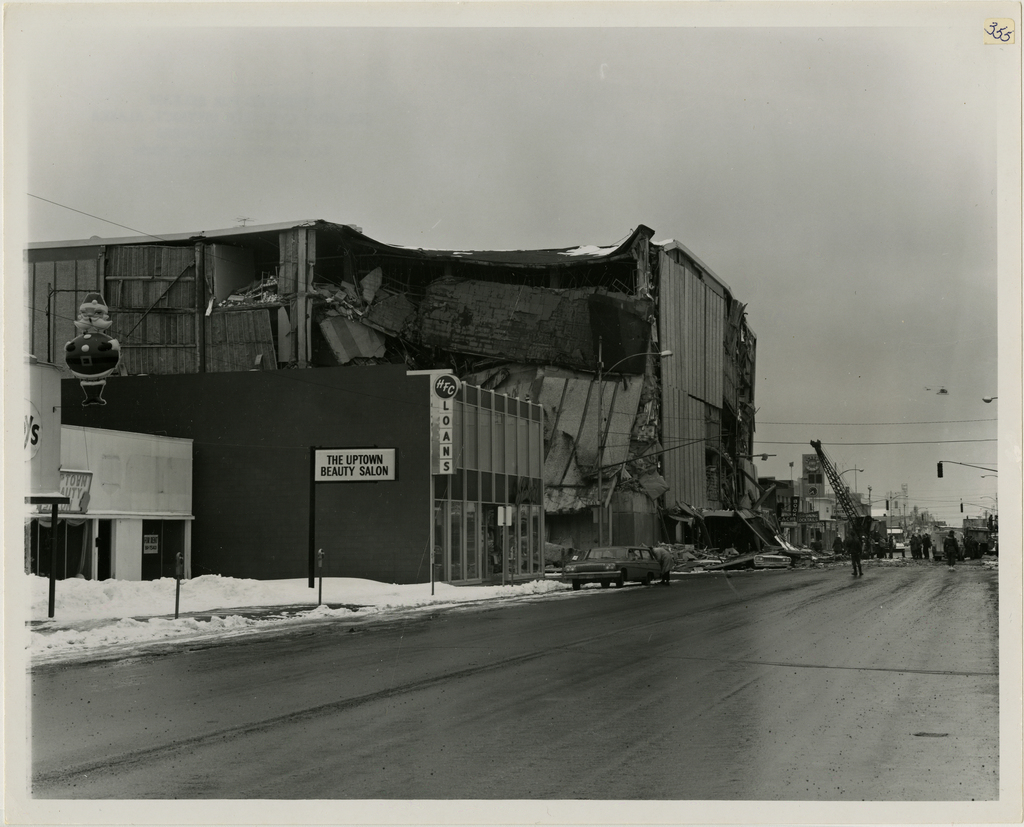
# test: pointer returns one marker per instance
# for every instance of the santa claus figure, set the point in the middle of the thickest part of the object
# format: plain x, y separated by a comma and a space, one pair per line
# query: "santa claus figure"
92, 355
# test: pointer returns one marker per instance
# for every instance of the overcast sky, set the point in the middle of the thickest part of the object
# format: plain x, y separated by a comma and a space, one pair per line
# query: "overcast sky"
842, 180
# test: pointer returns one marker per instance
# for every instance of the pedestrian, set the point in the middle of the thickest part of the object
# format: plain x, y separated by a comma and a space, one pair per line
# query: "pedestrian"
915, 546
951, 550
664, 556
926, 546
891, 544
837, 545
853, 547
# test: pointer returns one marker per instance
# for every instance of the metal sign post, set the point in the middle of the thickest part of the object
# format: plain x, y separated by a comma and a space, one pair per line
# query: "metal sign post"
320, 566
179, 572
53, 560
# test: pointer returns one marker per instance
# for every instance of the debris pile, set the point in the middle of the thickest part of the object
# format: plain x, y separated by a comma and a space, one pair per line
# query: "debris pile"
261, 291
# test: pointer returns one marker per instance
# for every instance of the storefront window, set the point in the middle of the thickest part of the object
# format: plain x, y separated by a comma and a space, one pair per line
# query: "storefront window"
523, 539
498, 441
535, 538
484, 440
455, 568
523, 447
472, 542
440, 518
510, 445
469, 444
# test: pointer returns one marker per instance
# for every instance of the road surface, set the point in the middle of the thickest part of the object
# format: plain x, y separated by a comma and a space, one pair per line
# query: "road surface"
794, 685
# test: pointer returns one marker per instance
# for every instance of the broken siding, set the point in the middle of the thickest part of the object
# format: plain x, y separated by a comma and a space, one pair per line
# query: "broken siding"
569, 401
528, 324
239, 340
151, 291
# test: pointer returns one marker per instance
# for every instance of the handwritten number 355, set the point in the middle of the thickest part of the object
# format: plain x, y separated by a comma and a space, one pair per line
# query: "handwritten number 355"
1002, 33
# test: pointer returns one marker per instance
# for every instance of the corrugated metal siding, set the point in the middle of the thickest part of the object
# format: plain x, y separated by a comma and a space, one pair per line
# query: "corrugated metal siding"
73, 279
692, 325
715, 356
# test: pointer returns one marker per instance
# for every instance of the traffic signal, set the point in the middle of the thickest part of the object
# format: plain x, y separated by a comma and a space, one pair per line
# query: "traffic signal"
886, 505
961, 507
940, 469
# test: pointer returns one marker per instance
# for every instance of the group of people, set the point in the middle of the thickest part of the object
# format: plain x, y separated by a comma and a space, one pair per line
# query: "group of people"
920, 549
921, 546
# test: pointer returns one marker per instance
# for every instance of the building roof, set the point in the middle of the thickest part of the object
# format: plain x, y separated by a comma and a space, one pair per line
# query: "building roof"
556, 256
550, 257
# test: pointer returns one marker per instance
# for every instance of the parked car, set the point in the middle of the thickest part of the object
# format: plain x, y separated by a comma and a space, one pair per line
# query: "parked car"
770, 560
611, 564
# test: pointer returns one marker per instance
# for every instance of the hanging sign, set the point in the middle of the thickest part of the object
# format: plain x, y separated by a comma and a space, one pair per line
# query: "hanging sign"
92, 355
355, 465
41, 432
75, 485
442, 413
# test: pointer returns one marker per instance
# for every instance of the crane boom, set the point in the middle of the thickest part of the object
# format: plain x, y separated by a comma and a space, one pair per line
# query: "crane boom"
860, 523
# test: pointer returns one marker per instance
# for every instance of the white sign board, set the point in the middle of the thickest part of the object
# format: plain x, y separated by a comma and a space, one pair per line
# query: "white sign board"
355, 465
442, 419
42, 429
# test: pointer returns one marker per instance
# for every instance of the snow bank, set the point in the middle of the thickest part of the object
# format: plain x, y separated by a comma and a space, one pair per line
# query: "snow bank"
116, 615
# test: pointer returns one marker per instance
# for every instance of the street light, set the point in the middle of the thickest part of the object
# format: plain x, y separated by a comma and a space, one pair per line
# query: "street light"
988, 398
855, 470
600, 430
764, 457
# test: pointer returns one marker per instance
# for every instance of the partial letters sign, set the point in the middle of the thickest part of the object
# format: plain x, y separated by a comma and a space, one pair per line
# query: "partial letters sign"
442, 411
41, 435
355, 465
75, 485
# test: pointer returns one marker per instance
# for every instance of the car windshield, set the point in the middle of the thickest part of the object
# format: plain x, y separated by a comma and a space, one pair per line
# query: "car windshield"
604, 554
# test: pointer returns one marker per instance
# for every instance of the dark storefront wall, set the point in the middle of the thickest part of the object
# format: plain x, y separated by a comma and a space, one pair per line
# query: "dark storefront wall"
251, 434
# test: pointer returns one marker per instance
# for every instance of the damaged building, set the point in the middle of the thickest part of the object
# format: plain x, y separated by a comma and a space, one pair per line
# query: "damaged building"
639, 356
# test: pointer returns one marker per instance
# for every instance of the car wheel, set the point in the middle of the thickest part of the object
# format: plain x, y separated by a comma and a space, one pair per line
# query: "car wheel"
605, 584
622, 579
649, 579
575, 585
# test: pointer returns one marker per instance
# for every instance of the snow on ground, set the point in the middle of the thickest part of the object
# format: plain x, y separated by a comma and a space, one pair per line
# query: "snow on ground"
97, 618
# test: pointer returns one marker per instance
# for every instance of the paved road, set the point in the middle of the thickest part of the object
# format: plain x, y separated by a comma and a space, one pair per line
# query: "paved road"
803, 685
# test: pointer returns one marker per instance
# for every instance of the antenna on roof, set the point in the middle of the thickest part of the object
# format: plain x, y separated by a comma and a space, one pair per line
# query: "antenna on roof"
242, 219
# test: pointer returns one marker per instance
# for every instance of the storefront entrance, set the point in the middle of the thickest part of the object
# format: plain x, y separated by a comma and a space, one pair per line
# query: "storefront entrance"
161, 542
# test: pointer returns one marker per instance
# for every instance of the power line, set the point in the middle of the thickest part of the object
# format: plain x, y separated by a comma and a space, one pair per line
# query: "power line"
870, 424
916, 442
98, 218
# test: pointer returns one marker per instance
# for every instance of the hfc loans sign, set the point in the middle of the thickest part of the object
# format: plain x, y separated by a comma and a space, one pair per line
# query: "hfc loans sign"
442, 411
